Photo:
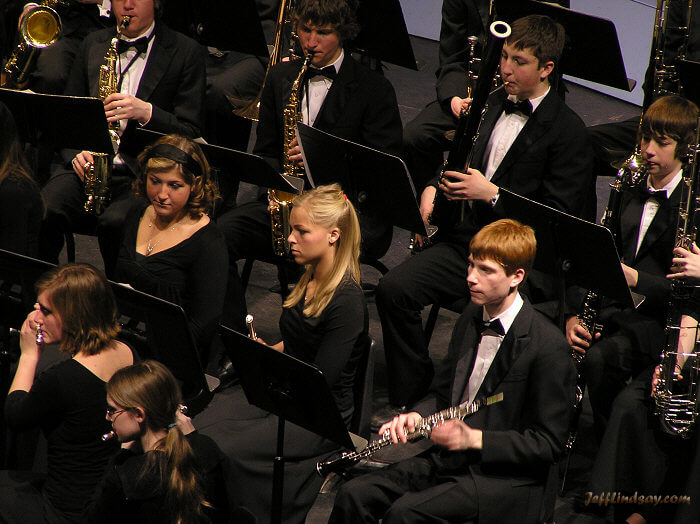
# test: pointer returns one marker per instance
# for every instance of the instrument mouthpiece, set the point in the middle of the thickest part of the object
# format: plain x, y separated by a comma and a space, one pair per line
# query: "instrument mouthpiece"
108, 436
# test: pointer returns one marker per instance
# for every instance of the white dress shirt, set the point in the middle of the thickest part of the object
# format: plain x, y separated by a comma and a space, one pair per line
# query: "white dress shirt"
317, 90
651, 206
504, 133
489, 345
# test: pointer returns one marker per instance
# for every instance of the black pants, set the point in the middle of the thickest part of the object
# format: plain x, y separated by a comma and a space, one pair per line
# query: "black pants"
64, 196
413, 490
424, 142
437, 275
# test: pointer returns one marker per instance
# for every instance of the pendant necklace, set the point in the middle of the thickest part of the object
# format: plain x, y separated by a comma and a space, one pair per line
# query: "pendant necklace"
152, 245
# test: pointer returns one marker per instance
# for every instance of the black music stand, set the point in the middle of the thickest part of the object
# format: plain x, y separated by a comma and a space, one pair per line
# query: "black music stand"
222, 24
383, 34
564, 250
291, 389
376, 182
159, 330
592, 51
42, 118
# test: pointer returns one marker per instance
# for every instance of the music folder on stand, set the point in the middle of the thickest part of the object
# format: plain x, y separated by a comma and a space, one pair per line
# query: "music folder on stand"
377, 183
291, 389
71, 122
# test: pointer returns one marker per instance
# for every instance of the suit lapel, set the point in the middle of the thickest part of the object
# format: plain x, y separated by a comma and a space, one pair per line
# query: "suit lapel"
514, 343
157, 65
629, 225
663, 219
494, 109
465, 361
341, 89
536, 126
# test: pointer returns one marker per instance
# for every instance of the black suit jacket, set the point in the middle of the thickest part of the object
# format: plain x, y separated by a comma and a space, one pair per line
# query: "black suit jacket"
525, 434
360, 106
173, 82
460, 19
645, 325
549, 162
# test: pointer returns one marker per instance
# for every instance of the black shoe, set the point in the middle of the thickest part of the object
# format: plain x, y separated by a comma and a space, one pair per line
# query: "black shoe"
226, 373
384, 415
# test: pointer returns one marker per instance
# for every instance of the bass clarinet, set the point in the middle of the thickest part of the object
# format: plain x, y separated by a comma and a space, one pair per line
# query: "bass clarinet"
675, 399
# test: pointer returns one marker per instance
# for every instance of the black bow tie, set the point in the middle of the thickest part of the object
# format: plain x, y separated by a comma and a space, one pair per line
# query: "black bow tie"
328, 71
494, 326
644, 193
141, 44
524, 106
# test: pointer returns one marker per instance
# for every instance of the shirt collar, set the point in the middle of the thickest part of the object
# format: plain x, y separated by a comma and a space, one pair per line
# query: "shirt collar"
146, 34
534, 101
668, 188
508, 316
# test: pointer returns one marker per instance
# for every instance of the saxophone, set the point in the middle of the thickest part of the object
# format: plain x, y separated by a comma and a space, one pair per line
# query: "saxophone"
281, 201
675, 399
40, 28
99, 171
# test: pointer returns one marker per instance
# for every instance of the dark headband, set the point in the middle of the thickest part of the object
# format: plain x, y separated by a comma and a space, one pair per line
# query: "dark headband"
176, 155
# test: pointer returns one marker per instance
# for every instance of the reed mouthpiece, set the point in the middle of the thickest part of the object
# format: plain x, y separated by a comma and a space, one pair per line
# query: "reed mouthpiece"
108, 436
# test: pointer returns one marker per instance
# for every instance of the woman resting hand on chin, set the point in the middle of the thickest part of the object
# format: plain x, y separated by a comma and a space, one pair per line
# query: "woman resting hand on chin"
171, 248
76, 309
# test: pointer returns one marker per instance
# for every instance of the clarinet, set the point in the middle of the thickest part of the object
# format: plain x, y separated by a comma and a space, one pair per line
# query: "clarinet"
423, 429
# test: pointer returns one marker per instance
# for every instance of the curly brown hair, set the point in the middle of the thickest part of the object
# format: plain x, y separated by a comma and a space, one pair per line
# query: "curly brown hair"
340, 14
195, 172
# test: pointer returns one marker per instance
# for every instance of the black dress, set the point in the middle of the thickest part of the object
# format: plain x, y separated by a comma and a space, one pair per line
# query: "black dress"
126, 494
333, 342
191, 274
21, 212
69, 403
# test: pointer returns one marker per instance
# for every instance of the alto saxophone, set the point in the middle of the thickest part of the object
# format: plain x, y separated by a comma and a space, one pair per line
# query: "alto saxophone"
99, 171
676, 401
281, 201
40, 28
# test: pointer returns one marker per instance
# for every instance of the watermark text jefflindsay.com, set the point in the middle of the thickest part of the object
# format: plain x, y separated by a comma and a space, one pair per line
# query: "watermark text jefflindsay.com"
615, 497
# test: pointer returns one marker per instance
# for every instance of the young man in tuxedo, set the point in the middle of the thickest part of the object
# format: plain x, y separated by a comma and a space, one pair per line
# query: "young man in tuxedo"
632, 339
537, 148
494, 465
339, 96
161, 88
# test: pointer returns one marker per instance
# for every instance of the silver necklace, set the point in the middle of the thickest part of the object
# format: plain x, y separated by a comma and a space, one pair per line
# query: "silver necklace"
152, 245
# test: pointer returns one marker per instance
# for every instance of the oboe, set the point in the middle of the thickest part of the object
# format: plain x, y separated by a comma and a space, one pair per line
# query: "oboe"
423, 429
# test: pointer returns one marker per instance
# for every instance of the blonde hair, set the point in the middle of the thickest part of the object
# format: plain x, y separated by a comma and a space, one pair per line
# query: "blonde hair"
150, 386
328, 207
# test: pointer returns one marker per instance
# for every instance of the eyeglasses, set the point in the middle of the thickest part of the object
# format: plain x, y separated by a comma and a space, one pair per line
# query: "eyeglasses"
113, 413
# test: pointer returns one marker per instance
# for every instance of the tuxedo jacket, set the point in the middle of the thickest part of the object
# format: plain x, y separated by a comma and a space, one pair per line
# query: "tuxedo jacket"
525, 433
549, 162
360, 106
173, 81
645, 325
